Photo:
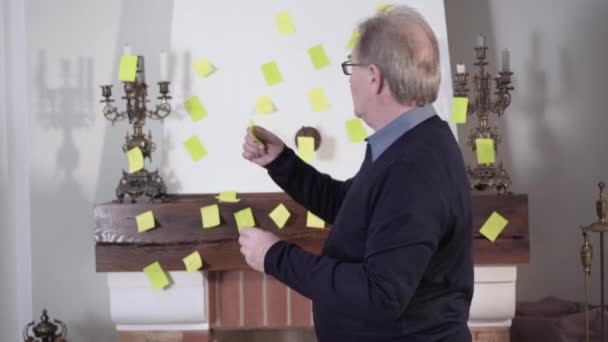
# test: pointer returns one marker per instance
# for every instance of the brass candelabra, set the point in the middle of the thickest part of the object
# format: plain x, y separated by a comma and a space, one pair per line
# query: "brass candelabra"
601, 226
45, 331
490, 175
142, 182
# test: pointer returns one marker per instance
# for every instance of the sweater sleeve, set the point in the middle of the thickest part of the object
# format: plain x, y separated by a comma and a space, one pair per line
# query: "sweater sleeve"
314, 190
403, 234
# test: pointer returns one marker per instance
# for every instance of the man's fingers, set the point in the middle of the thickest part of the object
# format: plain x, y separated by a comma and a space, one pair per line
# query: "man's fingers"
245, 233
261, 133
251, 148
249, 138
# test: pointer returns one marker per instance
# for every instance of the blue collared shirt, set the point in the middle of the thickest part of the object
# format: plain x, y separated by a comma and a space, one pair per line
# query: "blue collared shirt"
383, 138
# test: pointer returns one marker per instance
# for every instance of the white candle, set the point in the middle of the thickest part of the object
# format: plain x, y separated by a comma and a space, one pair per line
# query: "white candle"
127, 50
481, 40
163, 66
505, 60
460, 68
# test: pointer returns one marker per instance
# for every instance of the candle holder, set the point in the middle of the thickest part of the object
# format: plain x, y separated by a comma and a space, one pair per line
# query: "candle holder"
489, 175
601, 226
45, 331
142, 182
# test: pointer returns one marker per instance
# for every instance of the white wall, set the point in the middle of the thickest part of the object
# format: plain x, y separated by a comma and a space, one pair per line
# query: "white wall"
238, 49
16, 200
76, 157
8, 289
554, 132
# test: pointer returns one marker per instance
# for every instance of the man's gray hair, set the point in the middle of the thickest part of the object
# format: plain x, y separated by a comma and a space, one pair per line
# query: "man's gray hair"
403, 46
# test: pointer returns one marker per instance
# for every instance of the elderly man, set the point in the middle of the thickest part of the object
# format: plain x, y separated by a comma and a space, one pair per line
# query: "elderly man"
398, 262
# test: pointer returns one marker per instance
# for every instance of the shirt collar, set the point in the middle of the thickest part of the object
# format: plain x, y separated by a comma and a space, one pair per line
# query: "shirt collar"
383, 138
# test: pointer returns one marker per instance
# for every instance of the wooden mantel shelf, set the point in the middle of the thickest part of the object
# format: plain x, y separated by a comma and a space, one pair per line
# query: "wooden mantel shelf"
119, 247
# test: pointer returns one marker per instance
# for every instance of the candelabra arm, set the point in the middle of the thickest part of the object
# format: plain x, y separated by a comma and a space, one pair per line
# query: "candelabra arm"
162, 111
502, 102
111, 113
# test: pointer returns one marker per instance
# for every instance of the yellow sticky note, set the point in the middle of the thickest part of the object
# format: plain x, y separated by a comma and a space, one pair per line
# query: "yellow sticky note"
263, 105
195, 108
382, 7
145, 221
157, 276
353, 39
355, 129
210, 216
251, 125
459, 109
227, 197
313, 221
128, 68
318, 57
284, 23
136, 159
193, 262
306, 148
318, 100
485, 151
271, 72
203, 68
194, 147
244, 218
280, 215
493, 226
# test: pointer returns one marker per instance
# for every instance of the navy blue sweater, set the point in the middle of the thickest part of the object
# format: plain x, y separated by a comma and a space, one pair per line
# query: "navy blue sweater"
398, 262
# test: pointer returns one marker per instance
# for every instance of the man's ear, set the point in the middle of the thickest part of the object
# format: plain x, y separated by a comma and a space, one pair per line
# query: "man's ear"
377, 79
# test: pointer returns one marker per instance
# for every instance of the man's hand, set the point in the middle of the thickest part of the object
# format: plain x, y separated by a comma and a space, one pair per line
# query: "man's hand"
255, 243
265, 152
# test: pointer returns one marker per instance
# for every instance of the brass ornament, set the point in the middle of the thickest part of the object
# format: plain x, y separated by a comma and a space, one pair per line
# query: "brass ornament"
493, 175
45, 331
142, 182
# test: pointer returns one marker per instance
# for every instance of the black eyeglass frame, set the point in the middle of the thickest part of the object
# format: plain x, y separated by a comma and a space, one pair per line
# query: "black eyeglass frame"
347, 64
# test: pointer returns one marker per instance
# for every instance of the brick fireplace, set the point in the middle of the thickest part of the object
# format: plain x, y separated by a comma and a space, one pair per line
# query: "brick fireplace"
227, 297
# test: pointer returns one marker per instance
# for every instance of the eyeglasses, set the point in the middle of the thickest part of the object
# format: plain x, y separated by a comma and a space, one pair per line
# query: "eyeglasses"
347, 67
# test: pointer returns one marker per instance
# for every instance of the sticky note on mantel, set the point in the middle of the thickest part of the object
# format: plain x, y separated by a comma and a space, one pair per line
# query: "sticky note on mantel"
263, 105
271, 72
157, 276
136, 159
356, 131
485, 151
306, 148
318, 57
244, 218
227, 197
459, 109
145, 221
203, 67
318, 100
193, 262
280, 215
195, 148
128, 68
313, 221
493, 226
210, 215
353, 39
284, 23
195, 108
